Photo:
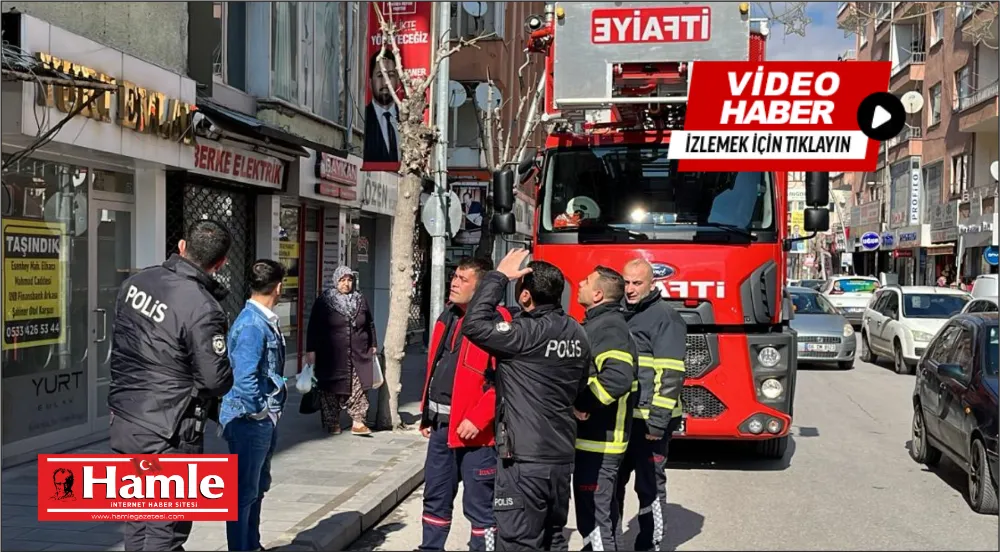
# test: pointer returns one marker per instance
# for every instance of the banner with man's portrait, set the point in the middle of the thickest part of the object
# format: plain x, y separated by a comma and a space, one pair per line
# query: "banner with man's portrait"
413, 23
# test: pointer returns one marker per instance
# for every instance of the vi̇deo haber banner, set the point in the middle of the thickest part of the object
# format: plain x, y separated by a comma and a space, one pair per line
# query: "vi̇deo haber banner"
778, 116
114, 487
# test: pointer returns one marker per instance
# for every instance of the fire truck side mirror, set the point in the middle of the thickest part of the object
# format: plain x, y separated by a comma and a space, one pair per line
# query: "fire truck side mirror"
503, 224
817, 189
816, 220
503, 191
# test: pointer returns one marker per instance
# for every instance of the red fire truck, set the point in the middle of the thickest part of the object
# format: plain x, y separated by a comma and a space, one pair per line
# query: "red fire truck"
616, 85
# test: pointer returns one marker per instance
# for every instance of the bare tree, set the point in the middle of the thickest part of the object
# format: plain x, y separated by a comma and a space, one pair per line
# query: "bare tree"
416, 144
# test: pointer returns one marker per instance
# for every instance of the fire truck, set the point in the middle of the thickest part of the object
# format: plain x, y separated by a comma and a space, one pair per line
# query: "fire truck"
615, 85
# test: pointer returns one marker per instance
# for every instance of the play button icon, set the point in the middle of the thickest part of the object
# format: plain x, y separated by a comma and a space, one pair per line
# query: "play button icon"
881, 116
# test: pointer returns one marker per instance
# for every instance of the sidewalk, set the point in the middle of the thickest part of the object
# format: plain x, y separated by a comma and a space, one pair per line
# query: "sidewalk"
327, 489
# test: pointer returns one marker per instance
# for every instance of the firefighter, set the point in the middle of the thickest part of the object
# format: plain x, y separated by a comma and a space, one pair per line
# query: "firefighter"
605, 412
542, 365
659, 333
457, 410
169, 363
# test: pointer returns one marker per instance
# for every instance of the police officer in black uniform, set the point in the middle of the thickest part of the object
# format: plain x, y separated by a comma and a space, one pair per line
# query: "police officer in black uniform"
169, 364
604, 410
543, 360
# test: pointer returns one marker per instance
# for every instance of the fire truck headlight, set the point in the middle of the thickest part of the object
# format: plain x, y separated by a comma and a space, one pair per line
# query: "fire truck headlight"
848, 330
769, 357
771, 388
755, 426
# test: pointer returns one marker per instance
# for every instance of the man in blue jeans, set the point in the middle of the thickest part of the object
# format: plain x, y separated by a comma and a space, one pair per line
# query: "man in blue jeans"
251, 409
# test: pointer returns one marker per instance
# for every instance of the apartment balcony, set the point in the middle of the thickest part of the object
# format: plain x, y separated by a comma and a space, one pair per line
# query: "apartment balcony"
908, 73
977, 112
908, 143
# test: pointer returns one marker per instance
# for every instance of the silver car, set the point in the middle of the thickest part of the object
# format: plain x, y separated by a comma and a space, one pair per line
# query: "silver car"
824, 335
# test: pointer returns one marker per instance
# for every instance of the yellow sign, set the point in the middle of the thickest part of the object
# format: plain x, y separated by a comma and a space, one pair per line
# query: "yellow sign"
34, 297
796, 223
288, 255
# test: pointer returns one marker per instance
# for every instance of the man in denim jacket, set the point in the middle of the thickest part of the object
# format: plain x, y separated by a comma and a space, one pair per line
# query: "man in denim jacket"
251, 409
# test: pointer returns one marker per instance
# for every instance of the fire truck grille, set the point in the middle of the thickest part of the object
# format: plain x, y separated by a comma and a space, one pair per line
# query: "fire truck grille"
698, 358
701, 403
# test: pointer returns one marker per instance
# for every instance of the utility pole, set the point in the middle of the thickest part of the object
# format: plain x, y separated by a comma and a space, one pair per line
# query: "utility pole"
440, 196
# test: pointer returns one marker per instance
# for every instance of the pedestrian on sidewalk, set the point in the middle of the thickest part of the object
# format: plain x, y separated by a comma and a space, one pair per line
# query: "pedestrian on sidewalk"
341, 345
542, 365
605, 410
169, 366
457, 411
660, 336
251, 409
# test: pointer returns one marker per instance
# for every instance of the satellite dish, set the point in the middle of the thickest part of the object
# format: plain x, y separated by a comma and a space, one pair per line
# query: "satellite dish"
456, 94
913, 102
483, 96
993, 170
475, 9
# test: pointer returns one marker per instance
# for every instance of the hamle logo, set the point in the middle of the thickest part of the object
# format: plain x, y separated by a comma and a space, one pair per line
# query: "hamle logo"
110, 487
870, 240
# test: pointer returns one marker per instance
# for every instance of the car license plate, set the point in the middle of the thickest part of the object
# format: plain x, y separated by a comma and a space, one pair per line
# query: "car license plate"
682, 427
821, 347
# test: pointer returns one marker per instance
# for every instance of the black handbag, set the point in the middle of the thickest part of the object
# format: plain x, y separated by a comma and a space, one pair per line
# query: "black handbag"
310, 403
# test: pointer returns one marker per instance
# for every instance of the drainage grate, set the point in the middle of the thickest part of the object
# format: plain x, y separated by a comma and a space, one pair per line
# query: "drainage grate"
188, 202
698, 356
699, 402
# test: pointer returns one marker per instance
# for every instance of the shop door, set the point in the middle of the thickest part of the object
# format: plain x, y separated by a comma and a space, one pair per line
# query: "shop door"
111, 261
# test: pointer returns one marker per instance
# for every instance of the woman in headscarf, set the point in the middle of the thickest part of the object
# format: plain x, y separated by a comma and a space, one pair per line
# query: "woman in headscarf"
341, 344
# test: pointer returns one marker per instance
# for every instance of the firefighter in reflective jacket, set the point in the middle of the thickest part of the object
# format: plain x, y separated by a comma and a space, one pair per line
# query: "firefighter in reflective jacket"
457, 412
605, 410
659, 333
542, 365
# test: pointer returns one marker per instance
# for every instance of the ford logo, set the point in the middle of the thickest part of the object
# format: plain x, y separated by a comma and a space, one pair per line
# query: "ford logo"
661, 271
870, 240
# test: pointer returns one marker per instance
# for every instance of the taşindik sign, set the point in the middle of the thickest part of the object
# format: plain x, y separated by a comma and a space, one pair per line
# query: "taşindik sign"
338, 177
139, 109
34, 299
245, 166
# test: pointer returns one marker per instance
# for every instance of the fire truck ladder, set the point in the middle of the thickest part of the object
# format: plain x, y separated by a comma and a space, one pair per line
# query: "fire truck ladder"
601, 82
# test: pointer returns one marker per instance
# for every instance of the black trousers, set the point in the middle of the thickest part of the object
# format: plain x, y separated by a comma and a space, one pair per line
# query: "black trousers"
130, 438
531, 505
648, 459
595, 480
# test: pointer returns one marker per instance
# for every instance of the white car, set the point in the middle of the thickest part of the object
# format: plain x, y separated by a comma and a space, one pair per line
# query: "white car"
901, 321
851, 295
984, 295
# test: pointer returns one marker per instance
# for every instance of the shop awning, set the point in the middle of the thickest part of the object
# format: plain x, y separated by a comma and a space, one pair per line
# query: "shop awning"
979, 239
248, 125
941, 249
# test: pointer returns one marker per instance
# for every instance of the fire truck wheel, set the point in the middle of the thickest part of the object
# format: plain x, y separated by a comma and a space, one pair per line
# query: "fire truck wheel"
773, 449
866, 350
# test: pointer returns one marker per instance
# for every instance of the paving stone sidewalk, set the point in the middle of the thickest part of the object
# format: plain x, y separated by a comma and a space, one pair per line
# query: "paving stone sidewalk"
327, 489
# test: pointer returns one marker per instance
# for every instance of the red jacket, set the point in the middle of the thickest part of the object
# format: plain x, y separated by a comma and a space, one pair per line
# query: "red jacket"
473, 396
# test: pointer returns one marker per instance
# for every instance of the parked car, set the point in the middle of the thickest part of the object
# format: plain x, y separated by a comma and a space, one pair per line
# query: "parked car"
900, 321
824, 335
955, 404
851, 294
984, 295
812, 284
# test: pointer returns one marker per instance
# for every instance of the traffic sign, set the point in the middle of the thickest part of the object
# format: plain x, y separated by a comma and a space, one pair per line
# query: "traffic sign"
992, 255
870, 241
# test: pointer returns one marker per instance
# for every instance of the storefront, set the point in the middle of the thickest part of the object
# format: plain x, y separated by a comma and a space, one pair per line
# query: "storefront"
977, 227
910, 258
70, 212
866, 219
941, 251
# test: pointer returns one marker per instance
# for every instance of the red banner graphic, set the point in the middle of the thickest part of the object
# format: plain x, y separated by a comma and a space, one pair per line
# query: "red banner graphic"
160, 487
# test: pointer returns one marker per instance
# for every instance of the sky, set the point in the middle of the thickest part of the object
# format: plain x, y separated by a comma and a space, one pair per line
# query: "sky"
822, 40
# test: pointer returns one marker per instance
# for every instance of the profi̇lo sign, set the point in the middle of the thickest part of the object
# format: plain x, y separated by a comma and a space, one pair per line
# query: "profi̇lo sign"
870, 241
778, 116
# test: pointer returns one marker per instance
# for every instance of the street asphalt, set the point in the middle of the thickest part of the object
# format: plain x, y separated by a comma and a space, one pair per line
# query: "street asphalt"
846, 483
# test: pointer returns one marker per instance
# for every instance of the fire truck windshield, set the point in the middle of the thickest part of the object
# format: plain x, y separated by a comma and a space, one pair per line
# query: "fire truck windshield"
634, 192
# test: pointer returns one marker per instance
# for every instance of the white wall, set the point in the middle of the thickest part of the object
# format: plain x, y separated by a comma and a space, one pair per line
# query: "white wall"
150, 216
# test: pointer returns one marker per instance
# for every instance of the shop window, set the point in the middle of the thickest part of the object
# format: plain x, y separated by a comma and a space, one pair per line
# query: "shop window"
45, 299
309, 276
288, 254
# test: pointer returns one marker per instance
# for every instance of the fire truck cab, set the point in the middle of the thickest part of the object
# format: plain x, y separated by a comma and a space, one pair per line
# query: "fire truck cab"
616, 84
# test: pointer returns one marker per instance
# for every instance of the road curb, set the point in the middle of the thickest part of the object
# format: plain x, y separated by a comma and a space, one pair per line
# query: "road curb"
340, 522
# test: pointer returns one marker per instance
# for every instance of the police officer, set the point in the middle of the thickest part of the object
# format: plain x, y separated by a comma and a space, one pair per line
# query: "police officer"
605, 410
543, 360
659, 333
169, 366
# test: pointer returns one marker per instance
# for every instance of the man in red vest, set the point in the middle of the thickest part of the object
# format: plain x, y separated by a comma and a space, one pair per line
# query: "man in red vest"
457, 417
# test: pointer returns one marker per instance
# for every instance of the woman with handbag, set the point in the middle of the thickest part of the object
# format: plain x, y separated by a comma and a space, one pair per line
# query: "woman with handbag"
341, 344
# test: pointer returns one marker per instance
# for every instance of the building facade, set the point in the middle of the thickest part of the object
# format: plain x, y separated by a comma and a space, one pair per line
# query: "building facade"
932, 200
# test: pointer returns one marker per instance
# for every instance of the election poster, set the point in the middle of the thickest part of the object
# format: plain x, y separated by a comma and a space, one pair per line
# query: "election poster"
34, 298
288, 255
795, 231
